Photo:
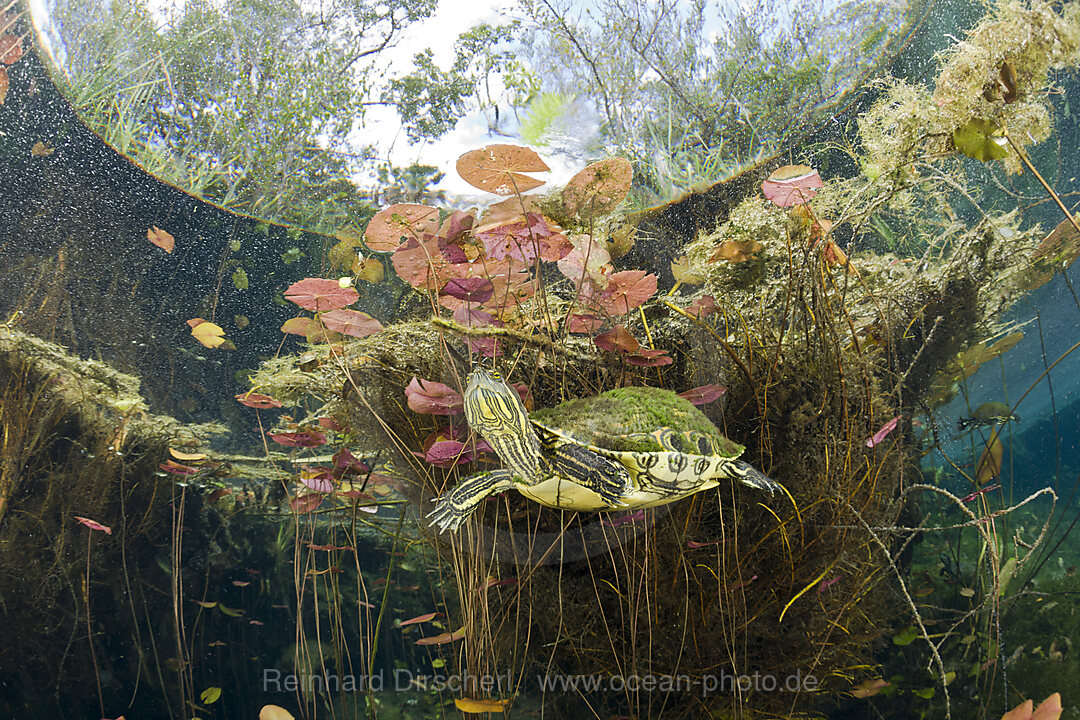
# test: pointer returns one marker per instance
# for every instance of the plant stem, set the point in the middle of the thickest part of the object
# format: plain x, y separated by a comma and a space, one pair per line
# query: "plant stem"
1024, 158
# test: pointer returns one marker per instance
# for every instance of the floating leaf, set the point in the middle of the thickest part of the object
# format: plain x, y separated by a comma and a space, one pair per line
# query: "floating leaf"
162, 239
209, 334
385, 231
443, 639
428, 397
210, 695
981, 140
704, 394
473, 706
240, 279
618, 339
298, 438
351, 322
418, 619
733, 251
40, 149
258, 401
792, 185
599, 187
497, 169
470, 289
11, 49
869, 687
275, 712
883, 432
94, 525
321, 294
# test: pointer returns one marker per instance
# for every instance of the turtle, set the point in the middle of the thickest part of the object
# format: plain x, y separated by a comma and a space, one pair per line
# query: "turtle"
627, 448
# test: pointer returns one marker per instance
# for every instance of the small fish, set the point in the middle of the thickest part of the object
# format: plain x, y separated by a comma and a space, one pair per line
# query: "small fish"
988, 414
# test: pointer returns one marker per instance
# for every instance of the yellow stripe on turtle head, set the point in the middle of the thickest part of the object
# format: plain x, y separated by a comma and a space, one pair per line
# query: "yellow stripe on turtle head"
494, 409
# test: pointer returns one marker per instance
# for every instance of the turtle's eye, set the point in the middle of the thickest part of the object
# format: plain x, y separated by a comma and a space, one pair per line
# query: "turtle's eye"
496, 375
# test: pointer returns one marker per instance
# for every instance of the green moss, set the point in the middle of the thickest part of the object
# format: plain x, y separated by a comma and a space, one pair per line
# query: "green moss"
608, 419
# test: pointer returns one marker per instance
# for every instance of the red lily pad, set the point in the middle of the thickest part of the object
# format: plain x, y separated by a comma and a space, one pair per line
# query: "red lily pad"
94, 525
470, 289
428, 397
599, 187
350, 322
649, 358
498, 169
320, 294
617, 339
792, 185
299, 438
390, 225
258, 401
704, 394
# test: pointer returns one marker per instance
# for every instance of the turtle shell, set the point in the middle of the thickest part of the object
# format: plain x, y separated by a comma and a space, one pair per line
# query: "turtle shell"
638, 419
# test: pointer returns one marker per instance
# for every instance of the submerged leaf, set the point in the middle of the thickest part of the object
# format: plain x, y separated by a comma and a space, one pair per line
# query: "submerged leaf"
882, 433
428, 397
470, 289
162, 239
258, 401
11, 49
298, 438
617, 339
444, 638
599, 187
321, 294
792, 185
301, 326
734, 251
704, 394
473, 706
351, 322
497, 169
981, 140
209, 334
94, 525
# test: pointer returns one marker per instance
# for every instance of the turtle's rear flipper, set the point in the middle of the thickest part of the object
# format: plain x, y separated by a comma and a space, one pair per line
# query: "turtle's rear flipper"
455, 506
603, 476
749, 475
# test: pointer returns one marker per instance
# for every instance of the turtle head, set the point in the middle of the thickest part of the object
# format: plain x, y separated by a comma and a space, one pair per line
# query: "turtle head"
494, 409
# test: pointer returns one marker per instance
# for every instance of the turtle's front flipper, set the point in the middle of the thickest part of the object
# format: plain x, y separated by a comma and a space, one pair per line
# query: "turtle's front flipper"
749, 475
583, 467
455, 506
